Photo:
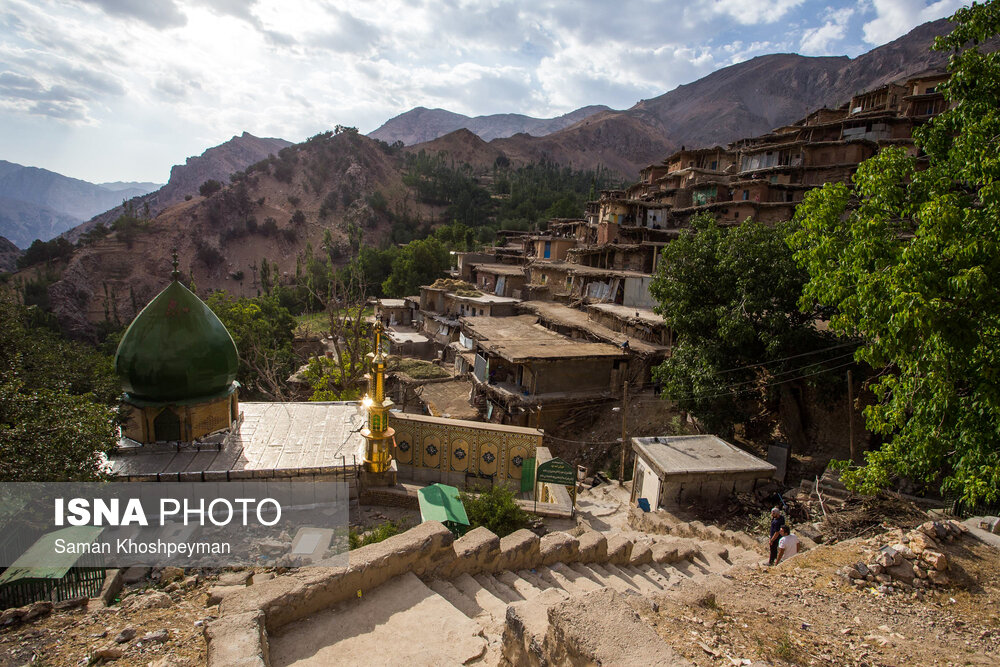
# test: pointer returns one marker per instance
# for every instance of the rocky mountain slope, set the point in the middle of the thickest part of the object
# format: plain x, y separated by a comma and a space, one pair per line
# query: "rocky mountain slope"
8, 255
421, 124
745, 99
215, 163
274, 211
38, 203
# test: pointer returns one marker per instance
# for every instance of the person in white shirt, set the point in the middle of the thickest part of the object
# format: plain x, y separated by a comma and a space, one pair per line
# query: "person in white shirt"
788, 544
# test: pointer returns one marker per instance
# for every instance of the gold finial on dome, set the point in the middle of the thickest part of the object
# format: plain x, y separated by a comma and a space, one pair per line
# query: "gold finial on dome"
175, 274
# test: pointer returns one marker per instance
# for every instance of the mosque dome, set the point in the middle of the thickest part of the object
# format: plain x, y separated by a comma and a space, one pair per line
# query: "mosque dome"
176, 349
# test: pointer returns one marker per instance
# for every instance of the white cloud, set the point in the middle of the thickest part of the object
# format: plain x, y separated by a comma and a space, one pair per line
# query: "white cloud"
92, 87
752, 12
820, 41
894, 18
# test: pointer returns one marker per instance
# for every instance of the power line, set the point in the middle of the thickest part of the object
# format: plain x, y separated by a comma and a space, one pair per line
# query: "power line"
763, 386
717, 395
794, 356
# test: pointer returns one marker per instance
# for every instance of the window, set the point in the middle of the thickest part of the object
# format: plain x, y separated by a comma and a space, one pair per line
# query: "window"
746, 195
548, 249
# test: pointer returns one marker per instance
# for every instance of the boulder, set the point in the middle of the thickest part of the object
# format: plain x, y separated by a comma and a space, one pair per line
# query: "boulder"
170, 574
125, 636
593, 547
902, 572
904, 550
935, 560
920, 542
37, 609
235, 578
108, 653
151, 600
216, 594
619, 550
519, 550
559, 547
938, 578
158, 637
641, 554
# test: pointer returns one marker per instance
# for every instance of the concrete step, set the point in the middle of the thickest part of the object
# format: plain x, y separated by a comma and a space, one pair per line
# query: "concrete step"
536, 580
560, 580
691, 569
591, 571
616, 580
522, 586
457, 598
672, 575
580, 581
499, 590
640, 579
486, 600
390, 622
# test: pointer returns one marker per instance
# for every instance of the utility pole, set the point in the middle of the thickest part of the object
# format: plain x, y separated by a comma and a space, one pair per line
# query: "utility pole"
850, 417
621, 467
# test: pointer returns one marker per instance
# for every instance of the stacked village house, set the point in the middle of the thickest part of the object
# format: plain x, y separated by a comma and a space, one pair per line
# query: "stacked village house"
547, 324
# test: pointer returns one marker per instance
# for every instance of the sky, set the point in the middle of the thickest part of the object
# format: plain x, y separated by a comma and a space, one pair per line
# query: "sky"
108, 90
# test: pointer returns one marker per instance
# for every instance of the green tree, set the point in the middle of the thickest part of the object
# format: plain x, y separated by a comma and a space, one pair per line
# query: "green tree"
209, 187
730, 296
418, 263
909, 260
57, 402
494, 508
262, 330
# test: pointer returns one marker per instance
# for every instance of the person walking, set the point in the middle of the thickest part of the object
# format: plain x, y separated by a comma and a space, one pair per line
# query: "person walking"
777, 521
788, 544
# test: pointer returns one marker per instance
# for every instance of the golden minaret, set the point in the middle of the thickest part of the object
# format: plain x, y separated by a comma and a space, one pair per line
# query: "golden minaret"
377, 433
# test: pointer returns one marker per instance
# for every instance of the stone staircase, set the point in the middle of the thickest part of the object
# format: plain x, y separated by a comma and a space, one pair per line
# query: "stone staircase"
479, 600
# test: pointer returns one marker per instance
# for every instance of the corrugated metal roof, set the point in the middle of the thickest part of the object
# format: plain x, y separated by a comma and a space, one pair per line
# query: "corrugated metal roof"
44, 551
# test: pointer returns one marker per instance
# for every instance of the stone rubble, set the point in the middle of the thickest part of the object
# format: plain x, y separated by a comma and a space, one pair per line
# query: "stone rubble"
909, 562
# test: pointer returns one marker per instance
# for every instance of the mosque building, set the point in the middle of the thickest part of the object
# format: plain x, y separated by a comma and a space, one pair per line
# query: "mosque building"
177, 363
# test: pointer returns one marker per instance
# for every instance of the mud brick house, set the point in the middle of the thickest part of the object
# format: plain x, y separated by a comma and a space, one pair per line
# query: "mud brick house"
499, 279
644, 331
525, 374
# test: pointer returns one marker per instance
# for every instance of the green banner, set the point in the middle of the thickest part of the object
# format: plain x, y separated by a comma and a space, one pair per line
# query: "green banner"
528, 475
556, 471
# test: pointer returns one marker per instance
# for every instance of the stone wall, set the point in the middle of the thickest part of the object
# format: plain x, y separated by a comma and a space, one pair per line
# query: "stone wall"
239, 635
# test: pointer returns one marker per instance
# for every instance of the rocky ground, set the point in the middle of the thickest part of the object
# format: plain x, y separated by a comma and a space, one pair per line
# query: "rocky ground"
924, 595
158, 622
804, 613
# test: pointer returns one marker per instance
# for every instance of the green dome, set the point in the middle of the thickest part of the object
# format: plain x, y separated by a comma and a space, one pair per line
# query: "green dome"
176, 349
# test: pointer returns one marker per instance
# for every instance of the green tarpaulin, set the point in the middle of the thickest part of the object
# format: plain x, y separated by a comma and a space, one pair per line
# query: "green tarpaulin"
440, 502
44, 551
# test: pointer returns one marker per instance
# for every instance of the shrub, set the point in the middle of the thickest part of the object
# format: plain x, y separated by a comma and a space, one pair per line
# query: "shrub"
209, 256
494, 508
383, 531
270, 226
209, 187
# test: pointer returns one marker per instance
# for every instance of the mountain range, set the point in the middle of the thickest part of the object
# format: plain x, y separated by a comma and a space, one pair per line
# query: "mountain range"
742, 100
421, 124
314, 193
38, 203
217, 163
